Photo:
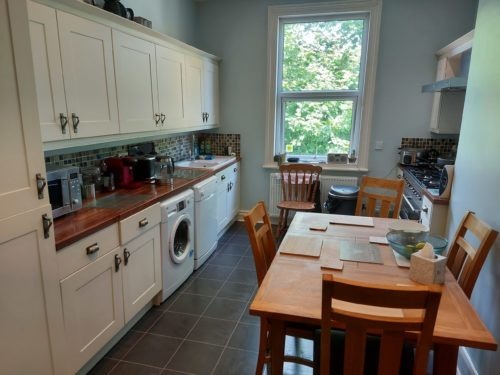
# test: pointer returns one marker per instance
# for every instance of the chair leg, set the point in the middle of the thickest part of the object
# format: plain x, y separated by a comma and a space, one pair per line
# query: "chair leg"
280, 224
263, 347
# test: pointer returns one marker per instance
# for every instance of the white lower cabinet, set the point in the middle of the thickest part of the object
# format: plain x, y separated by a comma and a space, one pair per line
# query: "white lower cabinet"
31, 321
104, 285
434, 216
141, 271
228, 197
93, 307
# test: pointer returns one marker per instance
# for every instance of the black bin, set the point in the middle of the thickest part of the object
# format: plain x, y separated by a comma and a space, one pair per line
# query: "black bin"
342, 199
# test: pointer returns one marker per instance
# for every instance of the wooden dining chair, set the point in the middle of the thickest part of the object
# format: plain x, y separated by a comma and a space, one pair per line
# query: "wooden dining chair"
299, 184
464, 260
363, 307
264, 248
379, 195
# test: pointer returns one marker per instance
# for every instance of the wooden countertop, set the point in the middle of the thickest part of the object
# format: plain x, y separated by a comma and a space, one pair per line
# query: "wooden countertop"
109, 208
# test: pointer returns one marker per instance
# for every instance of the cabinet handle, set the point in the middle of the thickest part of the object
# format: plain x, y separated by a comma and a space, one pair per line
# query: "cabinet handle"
118, 261
228, 187
235, 170
223, 177
64, 122
47, 223
425, 209
92, 249
157, 118
143, 223
76, 121
162, 117
126, 255
208, 115
40, 185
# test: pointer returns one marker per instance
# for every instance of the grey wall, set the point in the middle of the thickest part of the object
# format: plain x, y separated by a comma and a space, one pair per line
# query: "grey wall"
172, 17
477, 175
411, 32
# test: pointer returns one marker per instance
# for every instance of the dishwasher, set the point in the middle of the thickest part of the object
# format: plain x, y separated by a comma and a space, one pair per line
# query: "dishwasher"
205, 221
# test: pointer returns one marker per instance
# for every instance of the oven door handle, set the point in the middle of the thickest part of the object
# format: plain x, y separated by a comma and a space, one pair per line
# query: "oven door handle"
407, 201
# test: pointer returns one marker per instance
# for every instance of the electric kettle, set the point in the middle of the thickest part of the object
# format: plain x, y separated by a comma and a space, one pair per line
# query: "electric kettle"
114, 6
165, 168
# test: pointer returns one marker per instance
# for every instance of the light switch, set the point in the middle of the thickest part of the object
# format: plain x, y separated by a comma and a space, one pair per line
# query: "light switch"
379, 145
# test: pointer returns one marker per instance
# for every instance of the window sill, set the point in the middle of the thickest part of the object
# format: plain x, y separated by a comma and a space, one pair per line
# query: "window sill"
326, 167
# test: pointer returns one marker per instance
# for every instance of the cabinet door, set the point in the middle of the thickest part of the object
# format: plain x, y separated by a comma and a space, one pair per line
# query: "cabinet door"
48, 72
234, 192
194, 91
211, 92
222, 200
170, 73
31, 320
92, 302
89, 78
142, 278
136, 83
20, 142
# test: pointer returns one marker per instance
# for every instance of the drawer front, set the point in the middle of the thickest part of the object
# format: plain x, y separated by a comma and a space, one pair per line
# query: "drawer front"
71, 258
139, 223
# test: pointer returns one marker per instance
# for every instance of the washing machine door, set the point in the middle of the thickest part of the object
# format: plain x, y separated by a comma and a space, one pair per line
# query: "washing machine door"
180, 242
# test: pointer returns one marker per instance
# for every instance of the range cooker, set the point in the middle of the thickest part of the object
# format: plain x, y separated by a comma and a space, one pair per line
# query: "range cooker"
417, 179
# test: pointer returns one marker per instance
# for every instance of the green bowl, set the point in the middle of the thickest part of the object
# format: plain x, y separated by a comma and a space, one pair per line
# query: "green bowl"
407, 243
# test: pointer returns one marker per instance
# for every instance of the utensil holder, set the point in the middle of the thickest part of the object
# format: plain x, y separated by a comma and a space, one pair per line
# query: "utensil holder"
426, 270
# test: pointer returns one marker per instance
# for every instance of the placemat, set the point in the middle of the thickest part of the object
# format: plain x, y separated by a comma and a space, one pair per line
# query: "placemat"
301, 245
359, 252
360, 221
401, 261
332, 264
380, 240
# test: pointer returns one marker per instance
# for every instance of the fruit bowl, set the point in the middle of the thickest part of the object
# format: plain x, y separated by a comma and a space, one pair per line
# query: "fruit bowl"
407, 243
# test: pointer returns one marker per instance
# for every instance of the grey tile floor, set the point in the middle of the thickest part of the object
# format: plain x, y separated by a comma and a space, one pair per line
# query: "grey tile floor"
204, 327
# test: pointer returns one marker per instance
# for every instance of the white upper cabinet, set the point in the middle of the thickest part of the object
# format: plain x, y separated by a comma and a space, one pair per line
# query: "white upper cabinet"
87, 58
74, 75
202, 92
48, 73
96, 80
194, 91
211, 92
136, 83
19, 124
170, 74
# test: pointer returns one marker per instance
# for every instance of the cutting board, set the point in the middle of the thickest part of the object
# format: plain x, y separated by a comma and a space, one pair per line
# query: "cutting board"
360, 221
309, 246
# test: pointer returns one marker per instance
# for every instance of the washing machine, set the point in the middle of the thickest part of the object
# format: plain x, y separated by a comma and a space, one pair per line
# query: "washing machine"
177, 241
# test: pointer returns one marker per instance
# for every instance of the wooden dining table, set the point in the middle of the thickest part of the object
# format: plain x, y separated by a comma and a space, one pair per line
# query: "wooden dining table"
291, 290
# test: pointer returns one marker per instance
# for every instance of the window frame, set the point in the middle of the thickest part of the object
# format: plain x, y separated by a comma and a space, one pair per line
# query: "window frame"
277, 17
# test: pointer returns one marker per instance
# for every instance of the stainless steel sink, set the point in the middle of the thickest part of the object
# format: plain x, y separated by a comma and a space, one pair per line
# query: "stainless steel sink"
216, 162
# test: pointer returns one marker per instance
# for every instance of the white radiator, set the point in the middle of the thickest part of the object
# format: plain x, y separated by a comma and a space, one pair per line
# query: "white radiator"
275, 191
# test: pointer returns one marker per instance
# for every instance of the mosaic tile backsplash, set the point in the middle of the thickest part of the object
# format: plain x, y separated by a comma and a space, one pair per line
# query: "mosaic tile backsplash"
179, 147
442, 146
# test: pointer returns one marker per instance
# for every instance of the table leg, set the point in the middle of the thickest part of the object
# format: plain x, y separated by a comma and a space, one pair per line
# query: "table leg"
277, 346
445, 359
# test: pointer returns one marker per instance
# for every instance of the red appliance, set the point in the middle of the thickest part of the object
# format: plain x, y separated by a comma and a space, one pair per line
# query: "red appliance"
123, 170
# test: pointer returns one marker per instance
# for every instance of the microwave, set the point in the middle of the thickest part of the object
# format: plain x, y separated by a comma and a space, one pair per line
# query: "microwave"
65, 193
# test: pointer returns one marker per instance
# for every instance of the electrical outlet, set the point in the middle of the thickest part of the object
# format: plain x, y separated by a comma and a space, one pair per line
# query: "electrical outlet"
379, 145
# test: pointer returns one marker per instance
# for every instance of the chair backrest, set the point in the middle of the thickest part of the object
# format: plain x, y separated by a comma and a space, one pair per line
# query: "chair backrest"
379, 194
299, 182
261, 239
422, 300
464, 260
